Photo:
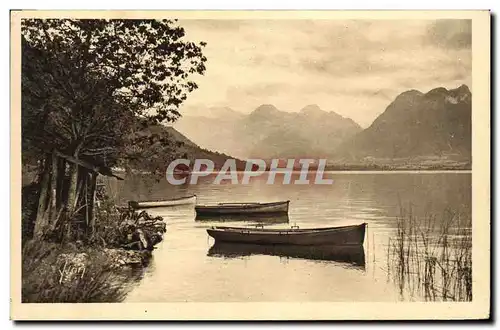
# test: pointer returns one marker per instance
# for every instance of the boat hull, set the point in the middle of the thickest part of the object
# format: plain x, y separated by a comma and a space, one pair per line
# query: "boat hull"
165, 203
242, 208
347, 235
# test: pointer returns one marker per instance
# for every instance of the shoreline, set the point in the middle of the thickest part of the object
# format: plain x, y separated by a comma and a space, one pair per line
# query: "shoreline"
101, 269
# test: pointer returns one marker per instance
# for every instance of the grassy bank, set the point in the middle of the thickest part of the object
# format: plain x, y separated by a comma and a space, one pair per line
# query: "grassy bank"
431, 258
70, 274
102, 267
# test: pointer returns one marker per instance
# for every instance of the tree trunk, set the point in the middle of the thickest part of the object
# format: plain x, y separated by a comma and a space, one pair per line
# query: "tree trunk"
91, 213
42, 220
53, 188
86, 200
81, 173
73, 181
61, 171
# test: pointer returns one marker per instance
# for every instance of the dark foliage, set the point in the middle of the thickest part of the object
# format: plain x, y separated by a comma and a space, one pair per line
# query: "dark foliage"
85, 82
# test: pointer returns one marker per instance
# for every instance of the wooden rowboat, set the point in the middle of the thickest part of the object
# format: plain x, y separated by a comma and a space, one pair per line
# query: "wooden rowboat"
345, 235
242, 208
163, 203
350, 254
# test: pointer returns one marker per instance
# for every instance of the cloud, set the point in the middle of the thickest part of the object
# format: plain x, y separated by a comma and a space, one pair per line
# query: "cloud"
355, 68
451, 33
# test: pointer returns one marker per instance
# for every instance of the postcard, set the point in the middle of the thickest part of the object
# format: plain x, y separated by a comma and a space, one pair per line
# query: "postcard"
250, 165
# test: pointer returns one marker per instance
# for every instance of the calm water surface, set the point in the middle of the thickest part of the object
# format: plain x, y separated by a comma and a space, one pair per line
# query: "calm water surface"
184, 268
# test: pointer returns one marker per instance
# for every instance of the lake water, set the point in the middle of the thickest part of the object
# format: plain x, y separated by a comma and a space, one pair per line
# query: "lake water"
184, 268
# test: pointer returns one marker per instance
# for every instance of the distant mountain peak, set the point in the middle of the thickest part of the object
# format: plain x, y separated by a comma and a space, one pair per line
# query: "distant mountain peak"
266, 107
462, 91
268, 131
460, 94
416, 125
405, 100
265, 110
412, 93
453, 96
463, 88
312, 108
437, 91
315, 110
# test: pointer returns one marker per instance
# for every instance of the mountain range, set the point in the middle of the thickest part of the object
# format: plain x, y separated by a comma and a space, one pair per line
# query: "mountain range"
268, 132
430, 129
436, 124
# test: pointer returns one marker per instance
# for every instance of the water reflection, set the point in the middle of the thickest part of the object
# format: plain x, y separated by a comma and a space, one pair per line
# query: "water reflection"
372, 198
261, 219
353, 255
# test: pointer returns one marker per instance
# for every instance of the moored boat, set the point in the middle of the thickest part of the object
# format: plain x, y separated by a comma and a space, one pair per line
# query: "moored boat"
163, 203
242, 208
344, 235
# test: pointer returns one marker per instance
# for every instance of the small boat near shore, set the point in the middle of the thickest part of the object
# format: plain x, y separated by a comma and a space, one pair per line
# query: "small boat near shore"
349, 254
163, 203
242, 208
344, 235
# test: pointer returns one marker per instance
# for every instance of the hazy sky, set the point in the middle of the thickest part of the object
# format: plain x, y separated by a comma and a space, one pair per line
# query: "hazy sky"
355, 68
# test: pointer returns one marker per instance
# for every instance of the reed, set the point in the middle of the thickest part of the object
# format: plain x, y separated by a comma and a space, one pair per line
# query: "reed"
431, 257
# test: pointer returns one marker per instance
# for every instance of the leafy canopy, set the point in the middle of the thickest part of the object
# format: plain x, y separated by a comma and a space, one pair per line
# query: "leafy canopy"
85, 82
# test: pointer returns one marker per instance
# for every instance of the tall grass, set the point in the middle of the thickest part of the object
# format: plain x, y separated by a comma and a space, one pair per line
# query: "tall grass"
48, 278
432, 258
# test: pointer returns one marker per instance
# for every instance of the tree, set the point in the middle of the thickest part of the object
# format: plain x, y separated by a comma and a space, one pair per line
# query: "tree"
88, 72
85, 84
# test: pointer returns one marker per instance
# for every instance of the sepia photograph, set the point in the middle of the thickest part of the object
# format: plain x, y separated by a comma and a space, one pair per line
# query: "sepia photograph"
264, 165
